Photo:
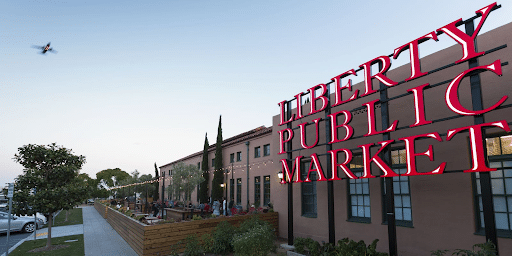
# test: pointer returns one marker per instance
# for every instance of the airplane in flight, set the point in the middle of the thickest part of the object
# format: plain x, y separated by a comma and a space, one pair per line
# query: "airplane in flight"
45, 48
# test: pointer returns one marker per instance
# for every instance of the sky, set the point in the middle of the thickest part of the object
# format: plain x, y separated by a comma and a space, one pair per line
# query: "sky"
142, 82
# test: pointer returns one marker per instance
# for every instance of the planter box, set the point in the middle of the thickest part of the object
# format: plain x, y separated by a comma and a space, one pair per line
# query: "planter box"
158, 239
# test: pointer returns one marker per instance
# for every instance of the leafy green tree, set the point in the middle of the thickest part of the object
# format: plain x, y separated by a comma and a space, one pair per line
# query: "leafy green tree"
203, 187
156, 185
53, 172
111, 177
218, 174
184, 180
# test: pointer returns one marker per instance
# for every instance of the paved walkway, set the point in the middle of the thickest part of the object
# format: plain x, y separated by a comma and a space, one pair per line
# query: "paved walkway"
100, 239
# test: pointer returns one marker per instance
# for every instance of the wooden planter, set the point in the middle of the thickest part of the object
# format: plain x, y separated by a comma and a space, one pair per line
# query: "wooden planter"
158, 239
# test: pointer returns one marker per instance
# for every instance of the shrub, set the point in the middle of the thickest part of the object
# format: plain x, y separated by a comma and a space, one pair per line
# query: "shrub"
248, 224
192, 246
300, 243
349, 247
128, 213
170, 220
175, 248
196, 217
207, 242
345, 247
485, 249
222, 236
258, 241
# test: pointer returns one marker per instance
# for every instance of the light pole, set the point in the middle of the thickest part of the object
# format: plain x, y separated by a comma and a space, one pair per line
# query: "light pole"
248, 205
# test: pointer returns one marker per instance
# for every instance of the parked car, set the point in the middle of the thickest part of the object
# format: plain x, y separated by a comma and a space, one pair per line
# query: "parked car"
24, 224
90, 201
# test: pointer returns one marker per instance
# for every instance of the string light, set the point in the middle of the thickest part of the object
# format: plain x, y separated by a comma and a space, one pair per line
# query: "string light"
229, 169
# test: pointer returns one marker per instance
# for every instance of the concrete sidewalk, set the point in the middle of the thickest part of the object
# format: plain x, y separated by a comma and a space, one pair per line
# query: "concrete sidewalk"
99, 237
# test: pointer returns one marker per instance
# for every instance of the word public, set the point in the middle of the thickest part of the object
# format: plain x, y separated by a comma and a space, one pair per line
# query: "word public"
451, 98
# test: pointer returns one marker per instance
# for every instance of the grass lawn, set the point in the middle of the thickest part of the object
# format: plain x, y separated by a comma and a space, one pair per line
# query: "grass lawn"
74, 217
74, 248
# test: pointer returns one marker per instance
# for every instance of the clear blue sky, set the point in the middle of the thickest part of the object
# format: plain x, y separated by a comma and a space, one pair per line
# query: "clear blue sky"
139, 82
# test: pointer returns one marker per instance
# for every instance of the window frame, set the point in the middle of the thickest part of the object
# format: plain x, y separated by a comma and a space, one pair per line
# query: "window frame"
266, 190
257, 191
232, 191
266, 150
239, 156
479, 230
401, 223
357, 169
257, 152
232, 157
239, 191
304, 186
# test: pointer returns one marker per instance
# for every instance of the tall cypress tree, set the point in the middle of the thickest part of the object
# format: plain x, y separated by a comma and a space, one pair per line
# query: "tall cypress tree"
218, 176
203, 187
157, 184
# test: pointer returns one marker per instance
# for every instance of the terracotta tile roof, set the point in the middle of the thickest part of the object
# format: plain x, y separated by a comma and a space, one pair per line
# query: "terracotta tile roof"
262, 130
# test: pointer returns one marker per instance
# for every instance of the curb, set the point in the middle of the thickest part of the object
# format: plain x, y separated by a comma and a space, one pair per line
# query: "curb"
16, 245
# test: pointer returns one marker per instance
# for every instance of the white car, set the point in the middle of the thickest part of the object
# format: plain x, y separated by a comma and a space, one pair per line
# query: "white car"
38, 215
24, 224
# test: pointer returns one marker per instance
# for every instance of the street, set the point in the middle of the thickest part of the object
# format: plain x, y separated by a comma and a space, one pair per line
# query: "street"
13, 239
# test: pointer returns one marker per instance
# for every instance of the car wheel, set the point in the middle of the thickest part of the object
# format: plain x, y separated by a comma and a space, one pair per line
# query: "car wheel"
29, 228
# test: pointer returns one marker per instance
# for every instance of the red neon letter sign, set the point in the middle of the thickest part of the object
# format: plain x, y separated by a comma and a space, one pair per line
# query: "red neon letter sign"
282, 140
303, 134
370, 106
337, 80
386, 63
476, 142
281, 114
343, 166
334, 126
467, 42
376, 159
452, 97
419, 105
414, 54
321, 96
318, 169
286, 170
411, 154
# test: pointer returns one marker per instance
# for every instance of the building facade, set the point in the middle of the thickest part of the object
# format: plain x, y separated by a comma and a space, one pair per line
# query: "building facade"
435, 211
248, 168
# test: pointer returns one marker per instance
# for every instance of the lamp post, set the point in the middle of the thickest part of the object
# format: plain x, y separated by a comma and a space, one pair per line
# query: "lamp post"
248, 205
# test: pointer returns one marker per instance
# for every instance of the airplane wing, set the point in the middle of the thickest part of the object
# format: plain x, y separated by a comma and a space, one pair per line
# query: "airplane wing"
38, 47
52, 50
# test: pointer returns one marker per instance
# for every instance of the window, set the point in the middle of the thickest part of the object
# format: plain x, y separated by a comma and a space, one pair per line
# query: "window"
403, 208
266, 190
213, 162
499, 151
257, 191
358, 193
239, 156
308, 191
163, 173
257, 152
199, 165
232, 190
239, 191
232, 158
170, 173
266, 150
